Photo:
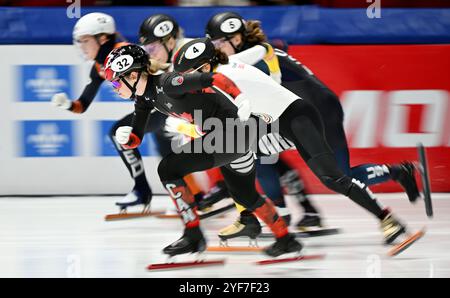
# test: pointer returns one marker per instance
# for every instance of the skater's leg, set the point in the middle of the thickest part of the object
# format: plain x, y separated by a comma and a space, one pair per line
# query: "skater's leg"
215, 176
294, 186
303, 125
133, 161
171, 171
242, 189
217, 189
369, 174
239, 175
190, 159
269, 178
192, 184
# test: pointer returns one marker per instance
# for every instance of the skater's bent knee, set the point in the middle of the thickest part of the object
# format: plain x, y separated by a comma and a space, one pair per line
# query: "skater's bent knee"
167, 169
340, 185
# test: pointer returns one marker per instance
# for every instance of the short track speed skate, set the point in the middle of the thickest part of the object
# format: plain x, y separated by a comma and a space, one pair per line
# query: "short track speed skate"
192, 242
425, 177
132, 199
247, 225
405, 244
393, 231
286, 245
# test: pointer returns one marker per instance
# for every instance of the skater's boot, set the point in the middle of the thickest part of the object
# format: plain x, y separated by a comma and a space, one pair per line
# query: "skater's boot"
216, 194
192, 241
135, 197
283, 245
404, 174
391, 227
247, 225
310, 221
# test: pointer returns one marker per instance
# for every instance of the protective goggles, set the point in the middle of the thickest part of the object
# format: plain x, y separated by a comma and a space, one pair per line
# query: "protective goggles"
218, 43
116, 84
153, 48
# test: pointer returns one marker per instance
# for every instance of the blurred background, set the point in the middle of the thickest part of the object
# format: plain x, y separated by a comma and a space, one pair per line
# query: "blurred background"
389, 64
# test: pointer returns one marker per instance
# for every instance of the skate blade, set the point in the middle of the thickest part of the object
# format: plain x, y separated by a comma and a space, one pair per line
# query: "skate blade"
316, 232
123, 216
202, 216
234, 249
425, 177
309, 233
185, 265
288, 260
399, 248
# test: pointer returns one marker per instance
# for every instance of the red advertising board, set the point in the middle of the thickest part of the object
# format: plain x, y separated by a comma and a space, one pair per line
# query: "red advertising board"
393, 98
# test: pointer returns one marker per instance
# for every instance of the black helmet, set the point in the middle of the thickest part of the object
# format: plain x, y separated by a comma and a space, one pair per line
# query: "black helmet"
157, 27
193, 54
224, 24
124, 60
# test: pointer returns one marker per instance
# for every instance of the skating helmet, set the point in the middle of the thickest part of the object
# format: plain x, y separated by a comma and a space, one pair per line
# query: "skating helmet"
123, 60
93, 24
224, 24
158, 27
194, 54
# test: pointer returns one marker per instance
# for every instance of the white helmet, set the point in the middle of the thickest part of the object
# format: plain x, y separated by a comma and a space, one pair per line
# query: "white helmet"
93, 24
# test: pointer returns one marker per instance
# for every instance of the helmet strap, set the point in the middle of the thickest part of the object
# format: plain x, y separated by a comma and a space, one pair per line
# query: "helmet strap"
97, 39
236, 49
169, 53
132, 88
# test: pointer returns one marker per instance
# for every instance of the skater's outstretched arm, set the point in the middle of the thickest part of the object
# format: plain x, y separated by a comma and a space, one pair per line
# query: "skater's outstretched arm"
175, 84
89, 92
82, 104
252, 55
131, 137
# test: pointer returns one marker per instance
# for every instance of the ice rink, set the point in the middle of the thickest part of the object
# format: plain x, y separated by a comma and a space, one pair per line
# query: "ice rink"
68, 237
